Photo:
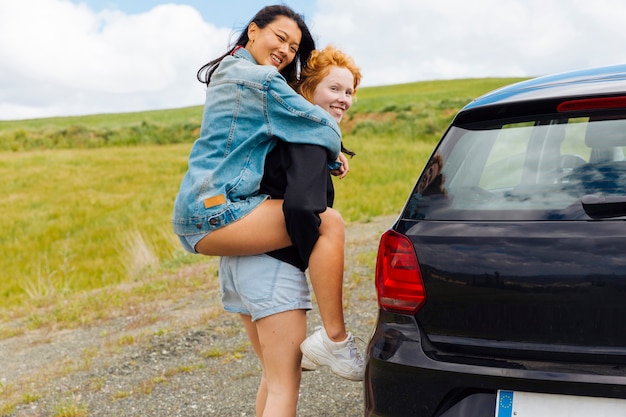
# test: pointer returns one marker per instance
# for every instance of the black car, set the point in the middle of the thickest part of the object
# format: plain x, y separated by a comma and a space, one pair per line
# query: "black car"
502, 285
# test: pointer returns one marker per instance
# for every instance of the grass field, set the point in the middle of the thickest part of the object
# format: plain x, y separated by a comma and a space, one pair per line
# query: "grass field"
87, 200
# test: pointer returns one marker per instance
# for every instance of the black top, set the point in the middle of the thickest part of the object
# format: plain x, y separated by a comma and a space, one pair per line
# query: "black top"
299, 174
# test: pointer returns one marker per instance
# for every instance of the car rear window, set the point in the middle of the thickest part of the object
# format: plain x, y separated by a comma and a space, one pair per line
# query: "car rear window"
522, 170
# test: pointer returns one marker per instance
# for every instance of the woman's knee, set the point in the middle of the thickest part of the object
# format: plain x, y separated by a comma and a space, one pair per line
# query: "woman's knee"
331, 217
332, 222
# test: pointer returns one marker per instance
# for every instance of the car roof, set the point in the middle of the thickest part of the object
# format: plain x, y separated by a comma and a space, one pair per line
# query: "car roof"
600, 81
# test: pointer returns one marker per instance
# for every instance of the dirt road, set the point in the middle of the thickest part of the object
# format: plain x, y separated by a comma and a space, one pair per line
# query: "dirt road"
191, 359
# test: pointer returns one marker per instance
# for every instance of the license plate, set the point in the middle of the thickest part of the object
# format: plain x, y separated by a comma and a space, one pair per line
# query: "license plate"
528, 404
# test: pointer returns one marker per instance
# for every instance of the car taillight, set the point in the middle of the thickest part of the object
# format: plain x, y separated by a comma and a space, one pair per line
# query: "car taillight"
398, 278
592, 104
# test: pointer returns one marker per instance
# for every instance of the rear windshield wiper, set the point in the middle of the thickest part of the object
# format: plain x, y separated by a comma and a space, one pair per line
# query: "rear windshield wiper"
598, 207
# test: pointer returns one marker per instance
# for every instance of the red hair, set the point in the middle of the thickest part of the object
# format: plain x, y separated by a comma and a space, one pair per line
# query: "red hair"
319, 65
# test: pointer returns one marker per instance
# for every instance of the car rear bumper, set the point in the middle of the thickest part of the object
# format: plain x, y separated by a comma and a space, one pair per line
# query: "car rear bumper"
402, 380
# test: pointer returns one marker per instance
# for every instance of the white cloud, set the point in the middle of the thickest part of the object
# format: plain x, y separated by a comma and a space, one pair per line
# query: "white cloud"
398, 41
60, 58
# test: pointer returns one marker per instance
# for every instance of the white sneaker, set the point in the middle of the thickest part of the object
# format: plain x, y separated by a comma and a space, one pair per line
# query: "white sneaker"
343, 358
307, 365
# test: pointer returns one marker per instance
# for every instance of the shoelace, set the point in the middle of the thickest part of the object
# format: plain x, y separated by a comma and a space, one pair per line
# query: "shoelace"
354, 350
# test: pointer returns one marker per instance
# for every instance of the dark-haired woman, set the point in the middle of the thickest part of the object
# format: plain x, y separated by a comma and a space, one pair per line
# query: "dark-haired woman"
250, 105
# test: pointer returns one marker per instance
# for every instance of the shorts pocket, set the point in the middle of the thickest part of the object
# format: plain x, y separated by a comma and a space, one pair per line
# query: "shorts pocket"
256, 277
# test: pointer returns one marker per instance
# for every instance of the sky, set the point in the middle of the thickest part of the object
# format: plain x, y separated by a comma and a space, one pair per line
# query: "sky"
77, 57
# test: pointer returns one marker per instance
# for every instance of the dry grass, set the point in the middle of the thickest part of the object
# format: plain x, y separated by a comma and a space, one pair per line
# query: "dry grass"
137, 255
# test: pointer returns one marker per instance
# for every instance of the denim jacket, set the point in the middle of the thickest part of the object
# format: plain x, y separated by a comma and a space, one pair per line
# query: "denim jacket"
248, 108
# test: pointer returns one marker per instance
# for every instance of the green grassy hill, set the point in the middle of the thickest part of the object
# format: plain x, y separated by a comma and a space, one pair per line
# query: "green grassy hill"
87, 200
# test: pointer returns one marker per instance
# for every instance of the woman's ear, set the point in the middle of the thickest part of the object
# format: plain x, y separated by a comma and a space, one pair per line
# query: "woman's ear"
253, 29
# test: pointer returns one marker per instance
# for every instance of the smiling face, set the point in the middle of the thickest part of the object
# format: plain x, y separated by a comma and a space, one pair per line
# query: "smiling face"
334, 92
276, 44
430, 174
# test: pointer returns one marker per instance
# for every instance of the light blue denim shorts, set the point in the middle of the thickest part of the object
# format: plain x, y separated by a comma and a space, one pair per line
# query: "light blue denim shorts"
189, 242
260, 286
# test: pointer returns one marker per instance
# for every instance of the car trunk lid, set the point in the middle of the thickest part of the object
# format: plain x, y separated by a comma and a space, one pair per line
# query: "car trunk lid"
525, 289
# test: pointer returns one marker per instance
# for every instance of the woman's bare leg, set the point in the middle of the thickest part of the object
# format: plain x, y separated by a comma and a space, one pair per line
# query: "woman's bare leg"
262, 230
276, 340
326, 274
253, 336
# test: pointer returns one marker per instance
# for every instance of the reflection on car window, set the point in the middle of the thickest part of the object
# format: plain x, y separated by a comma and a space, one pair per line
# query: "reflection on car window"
505, 160
535, 169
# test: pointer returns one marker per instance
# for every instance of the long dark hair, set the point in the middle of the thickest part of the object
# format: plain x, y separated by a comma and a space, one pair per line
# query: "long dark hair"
264, 17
